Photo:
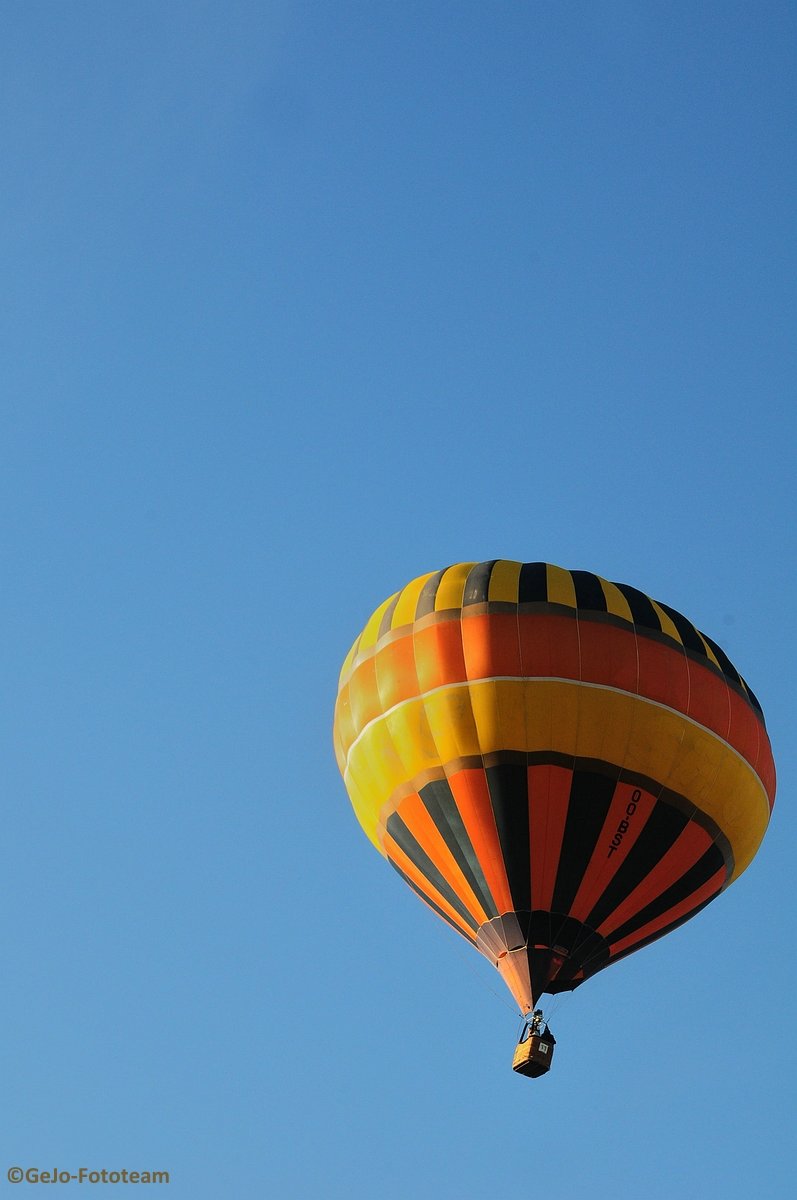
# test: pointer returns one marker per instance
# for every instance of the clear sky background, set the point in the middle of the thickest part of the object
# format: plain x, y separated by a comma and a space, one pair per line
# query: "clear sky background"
301, 300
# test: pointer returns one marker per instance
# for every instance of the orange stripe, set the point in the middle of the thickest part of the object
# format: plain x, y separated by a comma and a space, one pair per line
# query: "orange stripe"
415, 816
438, 654
708, 889
603, 866
545, 645
490, 644
364, 694
690, 845
395, 852
469, 789
396, 676
514, 970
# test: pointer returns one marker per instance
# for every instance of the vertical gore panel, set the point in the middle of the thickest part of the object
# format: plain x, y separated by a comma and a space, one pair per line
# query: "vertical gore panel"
723, 660
533, 583
663, 673
686, 630
662, 827
477, 585
428, 593
510, 804
709, 702
589, 593
428, 900
394, 666
590, 798
441, 807
685, 851
469, 788
504, 582
452, 586
387, 617
609, 655
642, 610
699, 874
421, 860
490, 644
672, 920
549, 644
438, 655
549, 795
418, 820
560, 586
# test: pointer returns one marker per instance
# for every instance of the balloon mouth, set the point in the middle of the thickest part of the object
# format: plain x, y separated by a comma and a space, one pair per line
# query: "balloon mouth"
531, 961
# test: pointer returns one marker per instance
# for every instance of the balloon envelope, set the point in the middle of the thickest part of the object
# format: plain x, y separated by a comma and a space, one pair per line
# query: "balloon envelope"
562, 768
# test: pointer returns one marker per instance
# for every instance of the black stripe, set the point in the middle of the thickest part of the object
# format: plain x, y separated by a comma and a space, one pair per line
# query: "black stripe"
654, 937
634, 778
686, 630
722, 658
590, 796
589, 593
753, 699
533, 583
590, 947
428, 900
428, 595
387, 617
642, 609
539, 970
698, 874
578, 943
507, 784
477, 585
419, 858
442, 808
662, 827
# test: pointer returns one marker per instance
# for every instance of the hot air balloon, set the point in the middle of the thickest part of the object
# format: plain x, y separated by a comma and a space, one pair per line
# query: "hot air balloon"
562, 768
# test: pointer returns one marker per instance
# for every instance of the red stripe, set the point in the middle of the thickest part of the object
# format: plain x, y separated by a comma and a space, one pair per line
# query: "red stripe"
604, 863
549, 796
690, 845
709, 889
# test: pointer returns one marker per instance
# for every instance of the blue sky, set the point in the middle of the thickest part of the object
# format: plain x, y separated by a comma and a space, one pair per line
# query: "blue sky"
301, 300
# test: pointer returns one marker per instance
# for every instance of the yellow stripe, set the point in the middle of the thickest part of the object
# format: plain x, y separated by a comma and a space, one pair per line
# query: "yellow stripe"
452, 587
404, 612
709, 652
360, 789
666, 623
504, 582
561, 589
569, 718
371, 631
616, 602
